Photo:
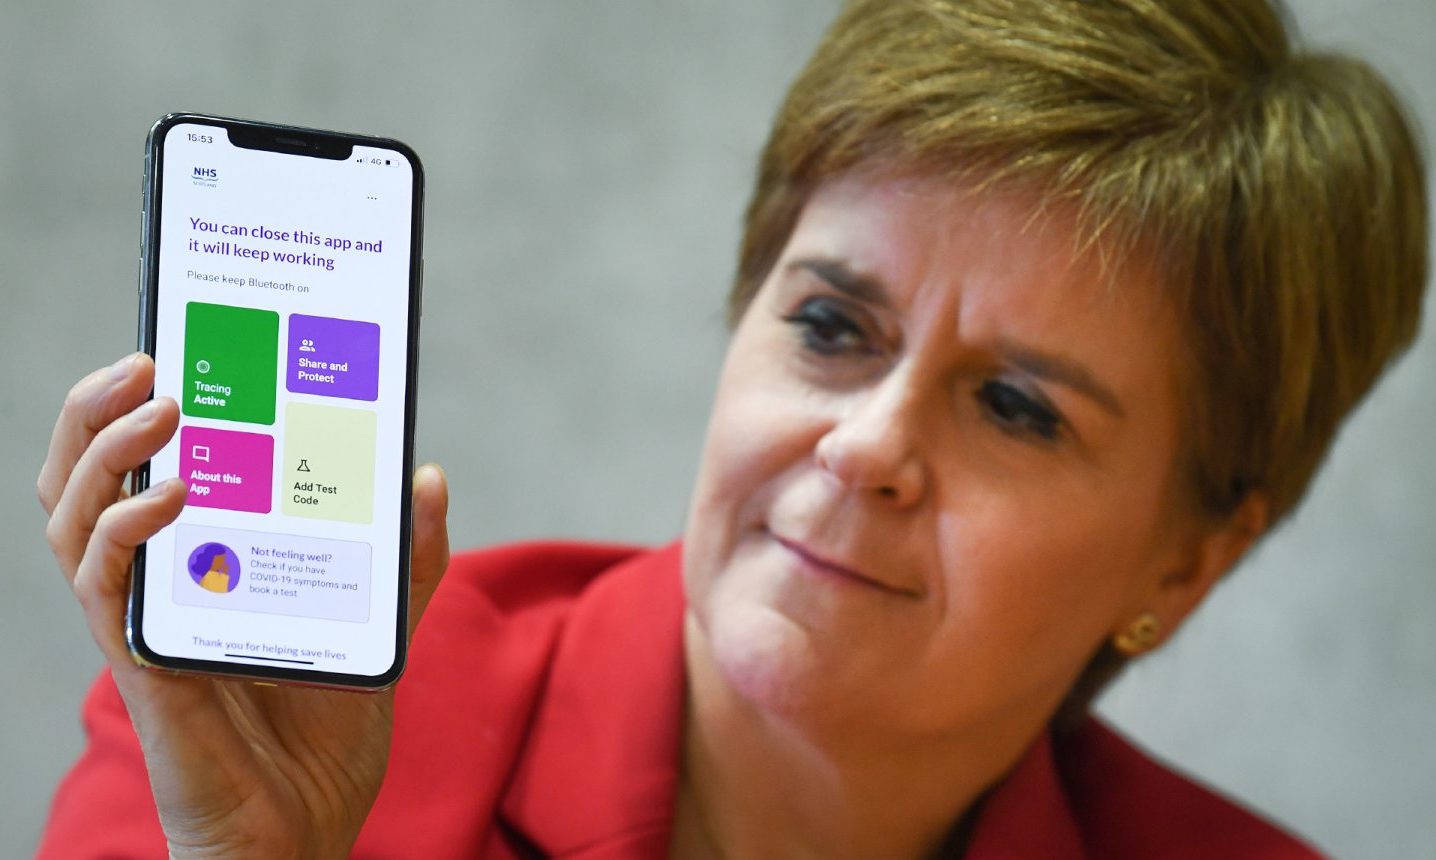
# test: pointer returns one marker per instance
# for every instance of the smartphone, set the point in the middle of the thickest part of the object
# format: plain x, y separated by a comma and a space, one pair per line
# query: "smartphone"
280, 278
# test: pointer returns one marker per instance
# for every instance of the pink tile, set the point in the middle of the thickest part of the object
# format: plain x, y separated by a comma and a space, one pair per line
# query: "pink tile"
229, 470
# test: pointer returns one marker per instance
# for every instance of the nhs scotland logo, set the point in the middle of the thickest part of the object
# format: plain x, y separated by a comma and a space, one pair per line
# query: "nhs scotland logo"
206, 176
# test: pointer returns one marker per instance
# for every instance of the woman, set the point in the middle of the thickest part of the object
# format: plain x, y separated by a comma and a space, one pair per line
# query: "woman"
210, 568
1045, 313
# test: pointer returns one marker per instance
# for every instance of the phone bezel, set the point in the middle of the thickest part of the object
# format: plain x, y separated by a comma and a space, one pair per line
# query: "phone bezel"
300, 142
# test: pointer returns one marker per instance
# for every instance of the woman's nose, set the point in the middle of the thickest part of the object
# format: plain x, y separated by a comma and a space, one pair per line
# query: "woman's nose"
872, 447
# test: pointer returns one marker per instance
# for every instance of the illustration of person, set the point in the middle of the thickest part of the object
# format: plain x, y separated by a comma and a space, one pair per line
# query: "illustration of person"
210, 566
217, 578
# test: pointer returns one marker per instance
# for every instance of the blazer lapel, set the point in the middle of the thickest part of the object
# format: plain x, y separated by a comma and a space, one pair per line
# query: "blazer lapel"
1027, 814
599, 769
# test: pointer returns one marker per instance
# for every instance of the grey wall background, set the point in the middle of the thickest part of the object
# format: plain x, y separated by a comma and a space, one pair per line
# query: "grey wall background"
588, 163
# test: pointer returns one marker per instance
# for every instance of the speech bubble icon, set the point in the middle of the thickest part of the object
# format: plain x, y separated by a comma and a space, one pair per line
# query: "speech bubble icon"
200, 452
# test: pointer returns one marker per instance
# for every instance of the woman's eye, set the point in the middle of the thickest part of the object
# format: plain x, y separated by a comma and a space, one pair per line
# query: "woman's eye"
827, 330
1018, 413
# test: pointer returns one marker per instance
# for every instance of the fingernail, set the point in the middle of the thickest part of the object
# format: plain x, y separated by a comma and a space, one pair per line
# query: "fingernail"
148, 411
122, 368
158, 489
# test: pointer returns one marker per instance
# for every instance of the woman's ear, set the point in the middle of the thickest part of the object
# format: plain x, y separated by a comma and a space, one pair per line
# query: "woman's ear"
1207, 554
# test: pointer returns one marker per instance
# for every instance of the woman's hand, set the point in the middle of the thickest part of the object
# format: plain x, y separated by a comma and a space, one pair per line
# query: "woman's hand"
236, 769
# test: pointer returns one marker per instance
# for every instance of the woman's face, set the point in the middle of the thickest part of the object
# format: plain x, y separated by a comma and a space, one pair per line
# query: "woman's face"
940, 466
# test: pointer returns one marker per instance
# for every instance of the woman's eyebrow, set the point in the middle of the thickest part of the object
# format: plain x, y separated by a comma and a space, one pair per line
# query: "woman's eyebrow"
840, 277
1063, 371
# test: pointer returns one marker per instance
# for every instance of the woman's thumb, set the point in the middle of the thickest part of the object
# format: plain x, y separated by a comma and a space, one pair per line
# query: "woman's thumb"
429, 539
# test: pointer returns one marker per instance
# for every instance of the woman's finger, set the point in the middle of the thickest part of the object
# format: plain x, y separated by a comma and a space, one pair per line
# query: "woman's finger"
95, 480
102, 581
93, 403
429, 539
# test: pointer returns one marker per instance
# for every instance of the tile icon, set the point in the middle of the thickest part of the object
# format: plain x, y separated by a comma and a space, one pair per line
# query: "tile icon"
231, 358
333, 357
328, 466
226, 469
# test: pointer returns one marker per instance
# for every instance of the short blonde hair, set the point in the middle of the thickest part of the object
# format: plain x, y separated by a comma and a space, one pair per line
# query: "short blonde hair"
1283, 193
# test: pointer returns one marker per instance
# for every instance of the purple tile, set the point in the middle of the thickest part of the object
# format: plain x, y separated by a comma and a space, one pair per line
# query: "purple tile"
333, 357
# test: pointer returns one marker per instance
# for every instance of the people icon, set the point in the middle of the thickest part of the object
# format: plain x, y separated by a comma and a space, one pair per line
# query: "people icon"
214, 567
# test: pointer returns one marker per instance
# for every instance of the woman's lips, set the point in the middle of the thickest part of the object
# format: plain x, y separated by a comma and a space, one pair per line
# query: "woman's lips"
822, 565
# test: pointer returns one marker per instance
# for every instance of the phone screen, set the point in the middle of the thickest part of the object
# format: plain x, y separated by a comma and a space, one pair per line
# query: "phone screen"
280, 286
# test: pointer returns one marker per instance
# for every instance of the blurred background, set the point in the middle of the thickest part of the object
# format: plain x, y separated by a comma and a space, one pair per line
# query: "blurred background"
588, 164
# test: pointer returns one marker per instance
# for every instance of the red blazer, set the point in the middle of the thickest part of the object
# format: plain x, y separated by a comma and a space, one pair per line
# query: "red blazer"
540, 717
